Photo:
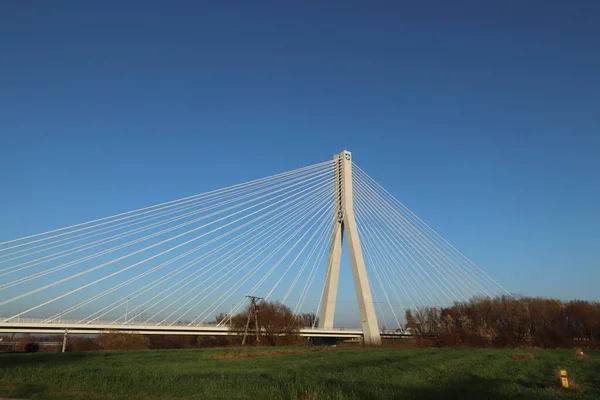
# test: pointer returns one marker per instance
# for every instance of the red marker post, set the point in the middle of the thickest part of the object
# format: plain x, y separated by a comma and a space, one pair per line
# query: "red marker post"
564, 379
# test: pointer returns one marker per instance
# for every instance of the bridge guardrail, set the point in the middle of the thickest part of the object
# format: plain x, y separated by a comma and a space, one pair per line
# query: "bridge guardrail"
45, 321
56, 321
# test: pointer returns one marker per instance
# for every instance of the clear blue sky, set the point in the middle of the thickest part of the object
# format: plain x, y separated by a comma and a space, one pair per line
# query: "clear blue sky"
482, 118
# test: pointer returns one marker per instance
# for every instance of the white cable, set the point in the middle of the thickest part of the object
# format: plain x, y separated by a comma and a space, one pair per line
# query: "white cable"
316, 245
327, 274
325, 163
136, 252
429, 229
415, 248
88, 246
425, 252
119, 226
242, 266
408, 243
227, 254
387, 241
376, 249
281, 222
376, 301
247, 276
298, 255
181, 269
262, 279
419, 276
61, 267
311, 277
374, 268
266, 276
432, 250
371, 250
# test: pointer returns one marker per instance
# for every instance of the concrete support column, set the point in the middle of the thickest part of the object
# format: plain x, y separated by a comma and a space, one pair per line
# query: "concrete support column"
335, 250
64, 344
345, 222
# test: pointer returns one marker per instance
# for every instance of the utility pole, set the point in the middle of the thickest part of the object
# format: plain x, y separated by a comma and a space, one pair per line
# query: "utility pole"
252, 311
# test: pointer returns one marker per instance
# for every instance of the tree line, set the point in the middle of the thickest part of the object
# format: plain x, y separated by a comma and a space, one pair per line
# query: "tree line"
510, 322
481, 322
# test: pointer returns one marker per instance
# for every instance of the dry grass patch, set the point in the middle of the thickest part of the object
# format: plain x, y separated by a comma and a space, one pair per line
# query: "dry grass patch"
580, 354
253, 354
522, 356
307, 396
266, 353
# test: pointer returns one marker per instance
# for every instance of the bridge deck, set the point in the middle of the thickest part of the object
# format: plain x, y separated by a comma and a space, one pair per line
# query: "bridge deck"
96, 328
75, 327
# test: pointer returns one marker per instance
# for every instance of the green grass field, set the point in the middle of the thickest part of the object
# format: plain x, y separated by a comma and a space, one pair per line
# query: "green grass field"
300, 373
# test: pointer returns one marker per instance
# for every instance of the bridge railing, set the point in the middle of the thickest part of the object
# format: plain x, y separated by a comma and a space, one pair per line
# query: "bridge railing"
57, 321
62, 321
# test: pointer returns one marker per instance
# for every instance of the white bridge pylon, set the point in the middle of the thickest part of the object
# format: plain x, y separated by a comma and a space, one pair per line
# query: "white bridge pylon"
192, 261
345, 222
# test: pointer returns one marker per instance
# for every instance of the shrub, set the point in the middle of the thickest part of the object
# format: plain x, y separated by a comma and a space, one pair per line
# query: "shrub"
510, 322
32, 348
83, 344
114, 340
274, 319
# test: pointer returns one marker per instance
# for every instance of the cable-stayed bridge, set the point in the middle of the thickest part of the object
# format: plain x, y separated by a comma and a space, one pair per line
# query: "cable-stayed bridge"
173, 267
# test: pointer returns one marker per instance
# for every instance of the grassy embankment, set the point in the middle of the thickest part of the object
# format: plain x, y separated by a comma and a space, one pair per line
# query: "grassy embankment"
300, 373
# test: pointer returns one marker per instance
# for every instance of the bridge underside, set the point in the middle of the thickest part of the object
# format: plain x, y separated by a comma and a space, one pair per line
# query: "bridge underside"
201, 330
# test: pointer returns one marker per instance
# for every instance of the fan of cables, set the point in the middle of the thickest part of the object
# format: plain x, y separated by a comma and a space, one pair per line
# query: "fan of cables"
186, 261
411, 267
178, 262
